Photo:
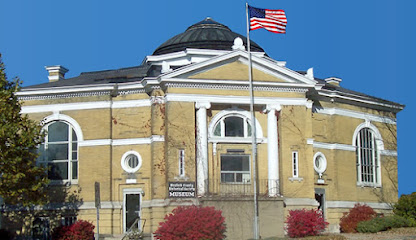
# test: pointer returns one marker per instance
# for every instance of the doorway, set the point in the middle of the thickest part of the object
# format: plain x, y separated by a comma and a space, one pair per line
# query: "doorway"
320, 198
132, 209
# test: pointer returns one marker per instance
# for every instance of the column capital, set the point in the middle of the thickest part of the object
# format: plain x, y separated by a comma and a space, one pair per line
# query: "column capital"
206, 105
272, 107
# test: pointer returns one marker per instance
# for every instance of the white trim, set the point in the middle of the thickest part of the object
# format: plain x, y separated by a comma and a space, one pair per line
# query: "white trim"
126, 167
350, 204
356, 114
388, 153
301, 202
85, 106
345, 147
232, 112
231, 82
95, 142
131, 103
235, 99
65, 118
375, 151
261, 63
127, 191
357, 98
322, 168
121, 142
235, 140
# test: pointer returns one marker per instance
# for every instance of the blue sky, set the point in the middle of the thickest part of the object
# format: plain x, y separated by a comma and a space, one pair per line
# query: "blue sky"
369, 44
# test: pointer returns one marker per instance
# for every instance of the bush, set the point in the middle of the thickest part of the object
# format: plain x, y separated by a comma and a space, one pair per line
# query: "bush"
383, 223
192, 223
406, 206
358, 213
80, 230
302, 223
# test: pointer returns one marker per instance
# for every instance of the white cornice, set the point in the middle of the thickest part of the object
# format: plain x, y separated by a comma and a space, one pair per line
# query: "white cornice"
85, 106
355, 114
236, 99
356, 98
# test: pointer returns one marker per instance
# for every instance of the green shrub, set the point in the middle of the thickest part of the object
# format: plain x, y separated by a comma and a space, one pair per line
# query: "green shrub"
406, 206
358, 213
383, 223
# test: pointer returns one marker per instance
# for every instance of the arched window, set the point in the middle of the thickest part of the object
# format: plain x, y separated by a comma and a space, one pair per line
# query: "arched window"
59, 152
233, 126
367, 151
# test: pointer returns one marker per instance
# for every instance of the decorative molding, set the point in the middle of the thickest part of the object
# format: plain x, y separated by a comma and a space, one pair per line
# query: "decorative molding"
206, 105
237, 86
157, 100
350, 204
235, 99
59, 96
355, 114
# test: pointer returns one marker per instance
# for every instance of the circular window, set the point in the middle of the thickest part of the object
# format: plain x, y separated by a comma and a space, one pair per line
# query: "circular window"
131, 161
319, 163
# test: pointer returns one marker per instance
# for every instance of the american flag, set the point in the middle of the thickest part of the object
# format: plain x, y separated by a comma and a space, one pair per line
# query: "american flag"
271, 20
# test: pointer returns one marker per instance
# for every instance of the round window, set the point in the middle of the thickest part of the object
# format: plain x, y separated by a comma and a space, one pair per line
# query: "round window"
131, 161
319, 163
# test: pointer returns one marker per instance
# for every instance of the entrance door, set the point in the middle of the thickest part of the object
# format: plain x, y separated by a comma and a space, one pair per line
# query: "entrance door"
131, 210
320, 198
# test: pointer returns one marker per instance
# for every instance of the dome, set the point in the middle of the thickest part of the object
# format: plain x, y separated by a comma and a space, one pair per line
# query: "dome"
207, 34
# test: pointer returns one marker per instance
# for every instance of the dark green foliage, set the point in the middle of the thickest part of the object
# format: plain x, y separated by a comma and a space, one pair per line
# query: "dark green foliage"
21, 181
379, 224
406, 206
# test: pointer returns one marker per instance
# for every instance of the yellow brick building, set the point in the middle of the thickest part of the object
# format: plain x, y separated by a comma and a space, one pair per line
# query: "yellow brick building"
176, 131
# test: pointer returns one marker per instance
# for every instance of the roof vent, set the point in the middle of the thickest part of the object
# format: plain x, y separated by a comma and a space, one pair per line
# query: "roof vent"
333, 80
56, 73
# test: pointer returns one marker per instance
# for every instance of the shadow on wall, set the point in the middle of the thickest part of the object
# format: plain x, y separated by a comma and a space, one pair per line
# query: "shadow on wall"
37, 222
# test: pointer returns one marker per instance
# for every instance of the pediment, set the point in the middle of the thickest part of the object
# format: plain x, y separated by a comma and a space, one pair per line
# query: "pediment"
233, 66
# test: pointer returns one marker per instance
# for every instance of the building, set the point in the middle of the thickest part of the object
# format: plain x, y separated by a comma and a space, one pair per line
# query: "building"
176, 130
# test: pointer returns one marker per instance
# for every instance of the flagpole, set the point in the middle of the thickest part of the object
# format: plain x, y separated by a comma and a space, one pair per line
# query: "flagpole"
253, 132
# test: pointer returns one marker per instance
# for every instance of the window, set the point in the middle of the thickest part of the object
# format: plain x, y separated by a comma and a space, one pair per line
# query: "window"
367, 157
235, 168
59, 152
295, 164
233, 126
319, 163
131, 161
181, 159
68, 220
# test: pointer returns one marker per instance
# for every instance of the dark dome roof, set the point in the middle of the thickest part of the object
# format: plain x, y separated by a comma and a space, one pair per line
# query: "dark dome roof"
207, 34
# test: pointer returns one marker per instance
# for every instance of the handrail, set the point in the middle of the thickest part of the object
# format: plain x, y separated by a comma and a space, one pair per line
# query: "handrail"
133, 226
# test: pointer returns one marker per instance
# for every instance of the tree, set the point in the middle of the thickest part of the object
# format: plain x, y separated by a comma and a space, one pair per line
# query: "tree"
21, 180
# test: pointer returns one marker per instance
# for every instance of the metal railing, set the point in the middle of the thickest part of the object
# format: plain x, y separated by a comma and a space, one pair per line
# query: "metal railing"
266, 187
135, 231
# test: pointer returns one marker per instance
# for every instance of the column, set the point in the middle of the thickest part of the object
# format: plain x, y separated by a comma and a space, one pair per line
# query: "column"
272, 150
202, 147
